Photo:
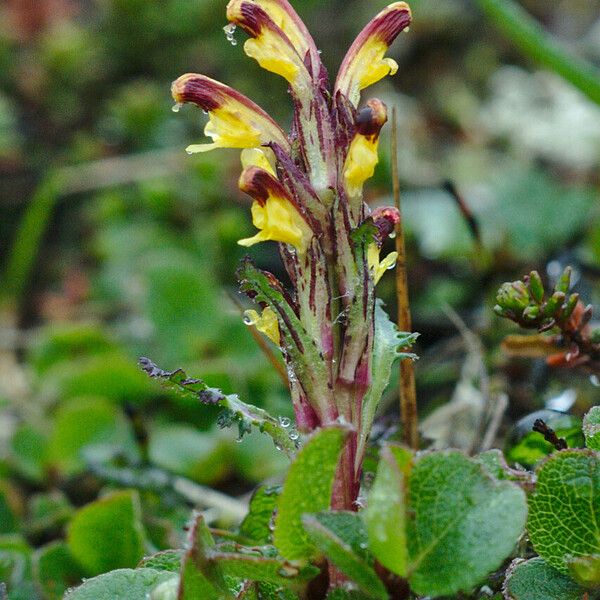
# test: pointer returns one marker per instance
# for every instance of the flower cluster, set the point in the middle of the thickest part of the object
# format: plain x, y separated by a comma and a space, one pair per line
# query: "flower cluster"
307, 191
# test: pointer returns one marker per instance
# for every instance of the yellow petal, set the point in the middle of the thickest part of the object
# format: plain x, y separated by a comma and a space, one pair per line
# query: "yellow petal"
362, 155
269, 45
234, 120
266, 323
378, 268
273, 212
365, 62
258, 157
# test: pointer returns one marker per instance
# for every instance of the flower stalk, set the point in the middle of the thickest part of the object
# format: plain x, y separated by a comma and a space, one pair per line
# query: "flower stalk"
307, 192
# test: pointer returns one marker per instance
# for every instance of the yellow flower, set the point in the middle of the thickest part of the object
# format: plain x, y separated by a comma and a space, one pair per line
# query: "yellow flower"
365, 62
273, 212
258, 157
266, 323
362, 155
377, 267
234, 120
269, 45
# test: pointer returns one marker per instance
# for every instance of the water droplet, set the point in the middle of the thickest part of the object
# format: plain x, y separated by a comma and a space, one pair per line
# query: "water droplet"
285, 421
248, 320
294, 435
176, 107
189, 151
363, 545
204, 112
594, 380
319, 51
229, 31
239, 440
392, 235
407, 30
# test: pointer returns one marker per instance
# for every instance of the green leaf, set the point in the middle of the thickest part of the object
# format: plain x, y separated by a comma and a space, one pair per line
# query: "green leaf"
591, 428
234, 411
256, 525
55, 570
535, 579
388, 345
307, 489
342, 594
15, 567
462, 523
350, 528
261, 568
165, 560
28, 453
199, 455
564, 510
585, 570
339, 553
90, 424
48, 513
133, 584
200, 577
107, 534
385, 515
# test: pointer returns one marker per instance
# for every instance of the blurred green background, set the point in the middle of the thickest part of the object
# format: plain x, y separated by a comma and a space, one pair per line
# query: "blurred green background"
116, 244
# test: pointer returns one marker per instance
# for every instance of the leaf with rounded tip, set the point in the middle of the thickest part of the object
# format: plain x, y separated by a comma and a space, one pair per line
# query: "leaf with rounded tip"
133, 584
461, 523
585, 570
564, 510
107, 534
591, 428
535, 579
307, 489
340, 554
55, 570
385, 515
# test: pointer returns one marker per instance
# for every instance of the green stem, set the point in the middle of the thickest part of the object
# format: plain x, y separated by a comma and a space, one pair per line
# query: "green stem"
526, 33
23, 254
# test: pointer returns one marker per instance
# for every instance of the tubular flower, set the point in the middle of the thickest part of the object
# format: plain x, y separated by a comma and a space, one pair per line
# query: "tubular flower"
268, 45
272, 211
377, 267
365, 63
234, 120
265, 323
286, 18
362, 154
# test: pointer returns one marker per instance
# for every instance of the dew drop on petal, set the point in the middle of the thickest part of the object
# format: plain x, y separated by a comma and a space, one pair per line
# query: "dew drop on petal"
175, 108
285, 421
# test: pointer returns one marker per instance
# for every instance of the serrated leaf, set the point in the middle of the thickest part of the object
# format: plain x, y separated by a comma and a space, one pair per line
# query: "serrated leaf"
388, 344
133, 584
349, 527
591, 428
256, 525
564, 510
165, 560
55, 570
234, 411
462, 523
307, 489
340, 554
535, 579
385, 515
107, 534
